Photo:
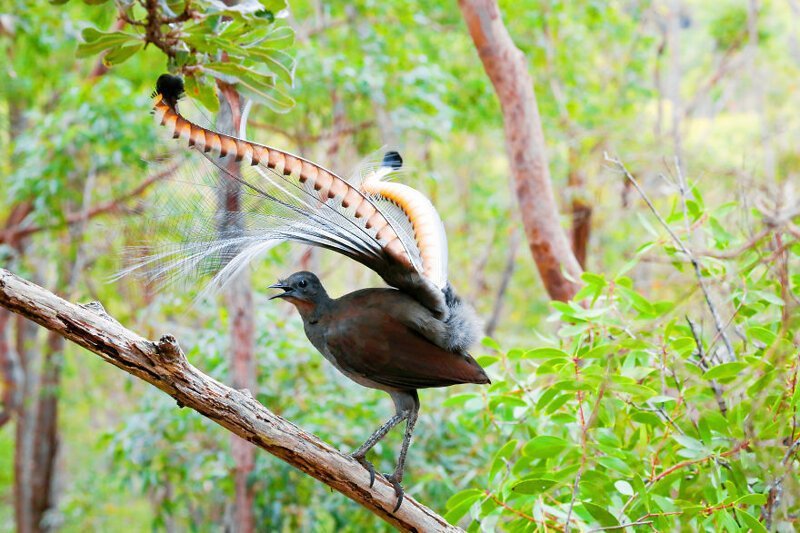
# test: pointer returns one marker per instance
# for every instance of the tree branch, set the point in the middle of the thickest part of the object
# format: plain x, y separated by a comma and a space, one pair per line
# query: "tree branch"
507, 69
689, 255
164, 365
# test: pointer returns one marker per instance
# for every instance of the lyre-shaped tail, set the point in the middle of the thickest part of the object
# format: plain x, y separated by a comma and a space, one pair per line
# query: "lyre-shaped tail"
391, 228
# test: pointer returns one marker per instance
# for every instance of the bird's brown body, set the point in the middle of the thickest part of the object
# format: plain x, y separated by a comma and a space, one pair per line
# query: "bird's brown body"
375, 337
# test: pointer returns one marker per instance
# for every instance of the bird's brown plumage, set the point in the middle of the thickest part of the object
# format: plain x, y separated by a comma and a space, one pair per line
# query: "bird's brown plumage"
368, 337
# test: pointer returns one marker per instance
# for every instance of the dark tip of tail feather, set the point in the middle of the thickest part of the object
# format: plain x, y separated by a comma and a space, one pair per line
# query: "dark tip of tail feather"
170, 88
392, 159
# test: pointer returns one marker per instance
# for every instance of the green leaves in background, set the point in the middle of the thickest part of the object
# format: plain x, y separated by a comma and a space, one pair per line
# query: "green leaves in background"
237, 44
96, 42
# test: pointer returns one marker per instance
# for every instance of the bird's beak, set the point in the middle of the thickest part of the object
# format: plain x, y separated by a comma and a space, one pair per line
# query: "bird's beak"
287, 290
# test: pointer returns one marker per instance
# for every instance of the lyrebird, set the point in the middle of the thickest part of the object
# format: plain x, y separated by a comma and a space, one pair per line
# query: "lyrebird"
398, 340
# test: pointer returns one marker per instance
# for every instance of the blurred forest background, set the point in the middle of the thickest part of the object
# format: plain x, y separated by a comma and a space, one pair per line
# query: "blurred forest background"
663, 395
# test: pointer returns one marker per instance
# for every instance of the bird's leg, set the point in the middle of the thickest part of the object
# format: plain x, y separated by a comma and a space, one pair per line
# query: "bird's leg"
361, 453
396, 478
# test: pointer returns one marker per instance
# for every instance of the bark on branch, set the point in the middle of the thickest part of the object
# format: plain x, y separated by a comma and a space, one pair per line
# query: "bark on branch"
164, 365
507, 69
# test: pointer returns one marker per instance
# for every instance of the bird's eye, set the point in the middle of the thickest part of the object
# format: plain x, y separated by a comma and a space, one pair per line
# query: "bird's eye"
302, 283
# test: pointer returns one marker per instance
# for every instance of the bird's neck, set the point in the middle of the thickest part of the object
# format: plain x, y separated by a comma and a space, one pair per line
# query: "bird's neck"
312, 311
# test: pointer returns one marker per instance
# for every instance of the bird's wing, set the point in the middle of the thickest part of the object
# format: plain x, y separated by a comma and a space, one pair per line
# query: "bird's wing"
371, 343
390, 228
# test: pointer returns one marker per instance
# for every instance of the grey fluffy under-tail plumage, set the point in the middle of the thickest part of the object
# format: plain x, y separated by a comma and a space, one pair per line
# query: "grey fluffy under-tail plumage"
463, 328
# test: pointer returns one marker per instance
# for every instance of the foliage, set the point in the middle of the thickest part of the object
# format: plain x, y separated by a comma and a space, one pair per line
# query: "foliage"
635, 412
207, 41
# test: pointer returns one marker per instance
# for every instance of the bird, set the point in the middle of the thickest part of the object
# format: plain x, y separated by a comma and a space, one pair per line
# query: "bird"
414, 334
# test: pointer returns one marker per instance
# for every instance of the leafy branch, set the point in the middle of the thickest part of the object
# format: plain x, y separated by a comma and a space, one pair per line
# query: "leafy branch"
210, 43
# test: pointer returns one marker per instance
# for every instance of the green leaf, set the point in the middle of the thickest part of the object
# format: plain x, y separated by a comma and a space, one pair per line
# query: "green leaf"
487, 360
544, 446
96, 41
490, 343
725, 370
533, 486
661, 399
203, 91
688, 442
279, 62
766, 296
545, 353
278, 38
639, 392
121, 54
751, 521
752, 499
639, 302
253, 84
500, 457
465, 495
605, 518
623, 487
599, 351
616, 464
762, 334
457, 513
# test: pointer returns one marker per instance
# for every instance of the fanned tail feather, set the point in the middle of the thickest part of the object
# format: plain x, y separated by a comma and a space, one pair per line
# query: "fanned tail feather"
389, 227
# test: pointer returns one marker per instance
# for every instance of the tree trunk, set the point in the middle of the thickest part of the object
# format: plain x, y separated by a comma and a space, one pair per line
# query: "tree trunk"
46, 439
507, 68
239, 301
581, 209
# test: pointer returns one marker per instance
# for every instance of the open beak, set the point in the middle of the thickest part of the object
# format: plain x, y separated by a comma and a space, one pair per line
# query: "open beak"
287, 290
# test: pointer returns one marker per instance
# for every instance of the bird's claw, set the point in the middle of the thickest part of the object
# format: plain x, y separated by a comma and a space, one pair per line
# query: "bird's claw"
366, 464
398, 490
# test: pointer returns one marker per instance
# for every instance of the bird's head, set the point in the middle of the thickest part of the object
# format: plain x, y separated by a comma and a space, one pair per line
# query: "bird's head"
303, 289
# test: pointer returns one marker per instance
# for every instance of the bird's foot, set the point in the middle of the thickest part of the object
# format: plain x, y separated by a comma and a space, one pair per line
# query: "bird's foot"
366, 464
394, 480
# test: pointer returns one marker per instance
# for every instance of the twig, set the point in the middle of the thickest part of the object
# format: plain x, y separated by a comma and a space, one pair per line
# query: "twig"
685, 250
164, 365
704, 365
733, 451
510, 509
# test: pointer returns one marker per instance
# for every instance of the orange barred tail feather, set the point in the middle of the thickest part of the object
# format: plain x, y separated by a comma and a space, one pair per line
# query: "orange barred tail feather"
390, 228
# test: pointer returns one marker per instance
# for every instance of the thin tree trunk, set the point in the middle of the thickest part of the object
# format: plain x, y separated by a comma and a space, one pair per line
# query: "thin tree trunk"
46, 438
239, 300
581, 209
507, 68
24, 430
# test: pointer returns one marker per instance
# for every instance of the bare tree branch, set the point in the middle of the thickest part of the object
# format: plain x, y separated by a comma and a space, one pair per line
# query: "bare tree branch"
164, 365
